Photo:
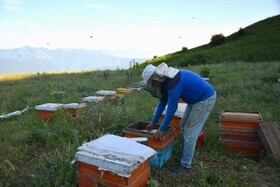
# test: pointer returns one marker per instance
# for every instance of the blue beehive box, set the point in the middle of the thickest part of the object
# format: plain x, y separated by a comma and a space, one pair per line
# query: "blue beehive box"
162, 157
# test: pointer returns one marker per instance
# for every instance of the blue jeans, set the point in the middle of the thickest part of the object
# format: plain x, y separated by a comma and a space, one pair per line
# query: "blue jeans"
192, 123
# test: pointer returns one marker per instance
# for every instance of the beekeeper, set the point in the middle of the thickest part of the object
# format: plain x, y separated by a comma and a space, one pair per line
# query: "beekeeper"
169, 84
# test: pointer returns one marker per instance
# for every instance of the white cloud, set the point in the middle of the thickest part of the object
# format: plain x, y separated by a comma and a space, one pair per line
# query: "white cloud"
13, 5
96, 6
151, 20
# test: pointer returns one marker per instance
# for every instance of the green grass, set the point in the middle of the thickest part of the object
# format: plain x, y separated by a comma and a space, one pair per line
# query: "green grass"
35, 153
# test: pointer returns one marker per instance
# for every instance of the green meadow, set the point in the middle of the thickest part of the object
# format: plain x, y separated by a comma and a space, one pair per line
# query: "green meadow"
38, 153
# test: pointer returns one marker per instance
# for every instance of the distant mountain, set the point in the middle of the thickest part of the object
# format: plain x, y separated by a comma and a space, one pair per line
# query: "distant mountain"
29, 59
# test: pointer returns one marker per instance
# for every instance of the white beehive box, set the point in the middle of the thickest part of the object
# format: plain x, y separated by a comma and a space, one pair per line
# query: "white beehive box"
46, 111
113, 153
94, 99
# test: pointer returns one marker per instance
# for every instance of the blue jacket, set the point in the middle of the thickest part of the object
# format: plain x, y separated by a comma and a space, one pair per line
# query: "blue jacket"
189, 86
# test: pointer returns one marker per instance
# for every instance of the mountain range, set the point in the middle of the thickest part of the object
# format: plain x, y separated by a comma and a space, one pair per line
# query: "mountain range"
30, 59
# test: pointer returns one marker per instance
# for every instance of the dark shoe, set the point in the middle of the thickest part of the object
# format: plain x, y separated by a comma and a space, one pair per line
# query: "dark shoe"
177, 159
179, 168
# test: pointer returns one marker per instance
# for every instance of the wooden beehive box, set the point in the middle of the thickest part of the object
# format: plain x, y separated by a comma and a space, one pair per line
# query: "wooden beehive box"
109, 95
176, 120
248, 148
112, 160
240, 121
138, 130
123, 90
242, 136
175, 123
75, 108
93, 99
89, 175
46, 111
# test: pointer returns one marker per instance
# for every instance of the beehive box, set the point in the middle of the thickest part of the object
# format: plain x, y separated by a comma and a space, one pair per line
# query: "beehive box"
123, 90
175, 123
138, 130
75, 108
181, 101
113, 161
248, 148
176, 120
46, 111
162, 157
89, 175
240, 121
108, 95
93, 99
242, 136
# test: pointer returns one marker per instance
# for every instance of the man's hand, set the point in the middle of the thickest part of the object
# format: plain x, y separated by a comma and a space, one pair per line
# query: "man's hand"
150, 127
158, 135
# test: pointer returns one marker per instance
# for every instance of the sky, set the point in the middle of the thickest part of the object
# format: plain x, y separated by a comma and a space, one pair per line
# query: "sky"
129, 28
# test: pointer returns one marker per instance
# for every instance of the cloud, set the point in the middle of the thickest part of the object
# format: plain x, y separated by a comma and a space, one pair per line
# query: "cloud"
151, 20
13, 5
21, 24
96, 6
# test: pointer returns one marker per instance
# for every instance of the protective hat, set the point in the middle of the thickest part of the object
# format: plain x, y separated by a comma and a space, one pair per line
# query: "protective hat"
148, 71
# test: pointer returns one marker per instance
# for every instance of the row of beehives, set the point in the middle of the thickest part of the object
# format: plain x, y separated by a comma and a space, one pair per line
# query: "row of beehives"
46, 111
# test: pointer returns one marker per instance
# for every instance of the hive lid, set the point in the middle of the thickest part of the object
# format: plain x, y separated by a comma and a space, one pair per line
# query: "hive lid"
120, 155
180, 110
241, 114
49, 106
95, 99
124, 90
106, 92
75, 105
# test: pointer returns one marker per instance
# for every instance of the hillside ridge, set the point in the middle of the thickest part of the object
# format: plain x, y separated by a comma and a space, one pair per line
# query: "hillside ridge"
257, 42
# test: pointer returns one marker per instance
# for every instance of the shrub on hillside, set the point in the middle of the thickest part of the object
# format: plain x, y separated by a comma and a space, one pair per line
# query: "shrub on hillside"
217, 39
184, 48
240, 32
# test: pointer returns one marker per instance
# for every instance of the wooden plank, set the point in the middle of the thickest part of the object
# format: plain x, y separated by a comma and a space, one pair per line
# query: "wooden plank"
270, 137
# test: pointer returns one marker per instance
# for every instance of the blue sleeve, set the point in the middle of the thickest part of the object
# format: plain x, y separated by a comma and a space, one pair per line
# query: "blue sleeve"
173, 99
160, 108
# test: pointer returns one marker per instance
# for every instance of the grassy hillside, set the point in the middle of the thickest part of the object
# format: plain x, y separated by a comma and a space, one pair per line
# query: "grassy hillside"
36, 153
255, 43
